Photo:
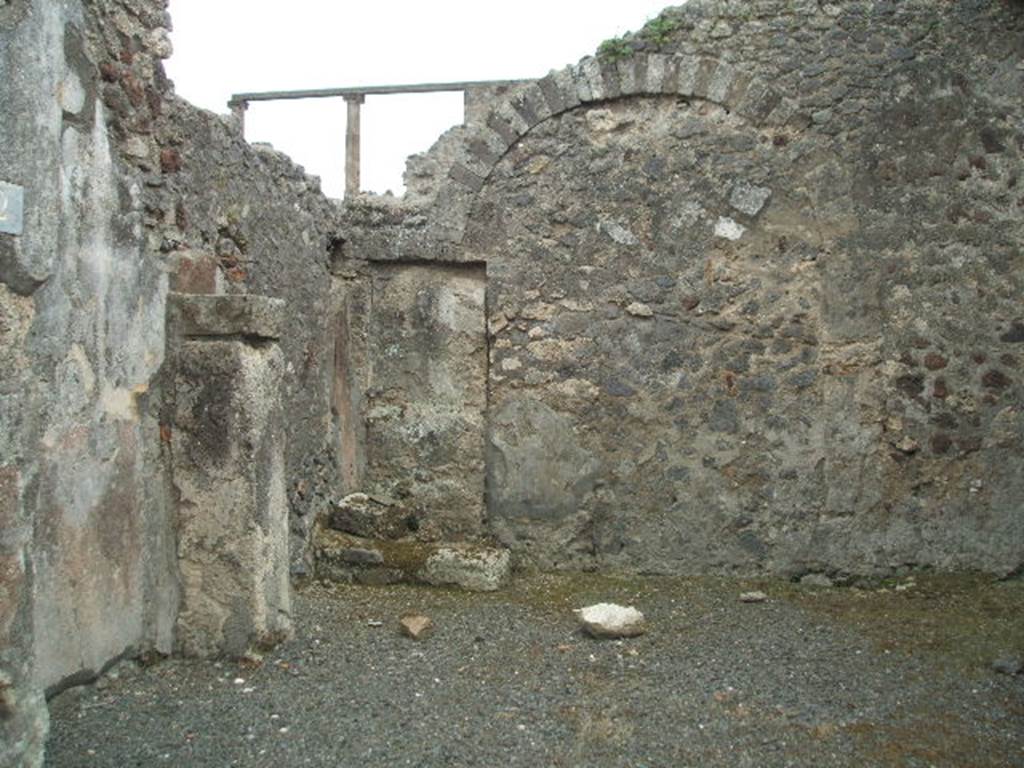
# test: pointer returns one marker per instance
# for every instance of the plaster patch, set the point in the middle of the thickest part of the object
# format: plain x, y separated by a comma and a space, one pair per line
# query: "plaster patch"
80, 360
749, 199
619, 233
689, 214
72, 94
729, 229
120, 404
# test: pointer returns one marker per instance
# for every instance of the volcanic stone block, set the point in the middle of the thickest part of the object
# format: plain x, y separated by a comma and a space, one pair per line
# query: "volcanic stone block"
227, 450
228, 315
370, 517
346, 558
474, 568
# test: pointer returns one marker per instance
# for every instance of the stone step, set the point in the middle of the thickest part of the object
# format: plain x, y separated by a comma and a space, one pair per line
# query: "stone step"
371, 517
348, 558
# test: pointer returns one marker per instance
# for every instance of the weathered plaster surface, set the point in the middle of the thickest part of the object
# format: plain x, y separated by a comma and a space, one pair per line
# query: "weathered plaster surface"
79, 304
426, 395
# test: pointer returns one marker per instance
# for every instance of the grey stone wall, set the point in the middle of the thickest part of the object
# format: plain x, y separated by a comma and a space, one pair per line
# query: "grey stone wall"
233, 218
128, 192
752, 303
88, 553
223, 216
754, 291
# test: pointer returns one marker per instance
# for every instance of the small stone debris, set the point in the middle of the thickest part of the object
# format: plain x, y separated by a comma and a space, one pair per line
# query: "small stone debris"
816, 580
908, 445
749, 199
753, 597
638, 309
608, 620
416, 626
729, 229
1008, 665
251, 660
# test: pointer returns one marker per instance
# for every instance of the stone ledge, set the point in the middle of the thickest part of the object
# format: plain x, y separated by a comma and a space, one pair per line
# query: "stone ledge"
353, 559
247, 315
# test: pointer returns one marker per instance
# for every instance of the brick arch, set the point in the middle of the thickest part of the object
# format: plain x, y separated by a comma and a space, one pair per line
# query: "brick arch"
593, 81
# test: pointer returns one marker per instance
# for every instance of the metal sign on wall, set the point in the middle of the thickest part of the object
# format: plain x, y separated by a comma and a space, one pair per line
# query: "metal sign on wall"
12, 206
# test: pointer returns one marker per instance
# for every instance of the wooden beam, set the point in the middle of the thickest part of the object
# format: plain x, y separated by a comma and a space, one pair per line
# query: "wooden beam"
352, 102
238, 110
370, 90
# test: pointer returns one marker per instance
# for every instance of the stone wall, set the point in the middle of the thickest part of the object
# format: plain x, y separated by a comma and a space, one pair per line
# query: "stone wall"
233, 218
129, 193
744, 294
223, 216
753, 291
82, 306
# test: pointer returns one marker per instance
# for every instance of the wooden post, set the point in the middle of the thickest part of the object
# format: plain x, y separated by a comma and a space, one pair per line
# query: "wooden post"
238, 110
352, 144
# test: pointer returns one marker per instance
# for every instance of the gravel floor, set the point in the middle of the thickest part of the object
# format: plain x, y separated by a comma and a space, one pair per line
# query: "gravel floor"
899, 675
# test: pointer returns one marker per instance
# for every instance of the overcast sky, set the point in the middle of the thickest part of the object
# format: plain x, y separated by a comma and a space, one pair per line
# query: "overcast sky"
231, 46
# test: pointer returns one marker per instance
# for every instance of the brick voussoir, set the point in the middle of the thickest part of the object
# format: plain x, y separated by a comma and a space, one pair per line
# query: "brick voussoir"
591, 71
552, 93
610, 78
640, 64
566, 81
466, 177
686, 74
511, 116
535, 96
706, 69
479, 151
567, 86
530, 105
625, 69
492, 139
720, 83
501, 128
474, 163
670, 80
525, 110
657, 69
